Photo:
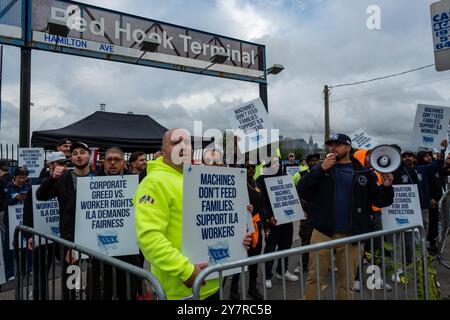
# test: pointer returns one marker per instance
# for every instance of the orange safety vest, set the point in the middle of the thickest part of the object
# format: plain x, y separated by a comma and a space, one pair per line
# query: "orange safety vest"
360, 155
255, 234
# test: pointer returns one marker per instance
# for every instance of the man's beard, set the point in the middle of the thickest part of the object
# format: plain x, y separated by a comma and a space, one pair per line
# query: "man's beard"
81, 166
340, 157
409, 163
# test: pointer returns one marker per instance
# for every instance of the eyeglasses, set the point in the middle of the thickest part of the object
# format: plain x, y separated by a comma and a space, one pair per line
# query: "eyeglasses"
113, 159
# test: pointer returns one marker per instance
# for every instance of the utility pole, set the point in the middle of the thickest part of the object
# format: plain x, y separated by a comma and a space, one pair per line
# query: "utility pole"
326, 94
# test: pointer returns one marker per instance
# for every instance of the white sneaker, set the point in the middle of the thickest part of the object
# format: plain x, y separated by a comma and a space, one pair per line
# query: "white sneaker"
269, 284
356, 286
11, 278
385, 285
297, 270
288, 276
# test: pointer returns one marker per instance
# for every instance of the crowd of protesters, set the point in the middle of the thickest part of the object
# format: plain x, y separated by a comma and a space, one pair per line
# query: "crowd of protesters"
341, 196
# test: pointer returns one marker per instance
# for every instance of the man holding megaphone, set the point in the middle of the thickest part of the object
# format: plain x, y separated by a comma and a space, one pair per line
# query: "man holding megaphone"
342, 192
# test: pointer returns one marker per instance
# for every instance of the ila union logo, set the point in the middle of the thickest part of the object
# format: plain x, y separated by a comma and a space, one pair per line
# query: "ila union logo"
219, 253
107, 241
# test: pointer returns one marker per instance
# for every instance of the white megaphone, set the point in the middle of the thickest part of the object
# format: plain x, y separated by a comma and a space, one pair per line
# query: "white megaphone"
385, 159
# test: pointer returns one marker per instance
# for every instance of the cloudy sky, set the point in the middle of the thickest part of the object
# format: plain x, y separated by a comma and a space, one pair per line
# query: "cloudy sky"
318, 41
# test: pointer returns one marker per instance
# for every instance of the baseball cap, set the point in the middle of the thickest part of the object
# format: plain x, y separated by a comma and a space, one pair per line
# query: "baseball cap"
339, 138
56, 157
63, 141
78, 145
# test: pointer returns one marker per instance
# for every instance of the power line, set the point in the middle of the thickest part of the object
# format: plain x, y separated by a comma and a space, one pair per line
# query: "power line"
317, 119
381, 78
390, 90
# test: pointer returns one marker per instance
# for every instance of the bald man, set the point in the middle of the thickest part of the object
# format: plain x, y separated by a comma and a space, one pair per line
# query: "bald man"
159, 204
159, 216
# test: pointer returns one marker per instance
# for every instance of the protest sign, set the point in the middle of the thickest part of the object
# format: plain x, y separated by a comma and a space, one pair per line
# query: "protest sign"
292, 170
105, 219
440, 12
33, 160
15, 219
405, 210
284, 199
215, 215
253, 125
431, 126
45, 216
362, 140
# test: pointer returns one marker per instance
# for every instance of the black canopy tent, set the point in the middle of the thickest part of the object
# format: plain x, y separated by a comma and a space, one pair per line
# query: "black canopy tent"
130, 132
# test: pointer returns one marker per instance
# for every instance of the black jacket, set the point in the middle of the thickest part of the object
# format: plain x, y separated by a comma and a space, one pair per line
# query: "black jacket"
445, 172
3, 195
305, 199
320, 186
266, 206
4, 180
64, 190
28, 219
405, 175
255, 198
436, 190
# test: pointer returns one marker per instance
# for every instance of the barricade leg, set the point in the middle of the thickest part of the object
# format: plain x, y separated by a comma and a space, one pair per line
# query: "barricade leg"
347, 264
313, 279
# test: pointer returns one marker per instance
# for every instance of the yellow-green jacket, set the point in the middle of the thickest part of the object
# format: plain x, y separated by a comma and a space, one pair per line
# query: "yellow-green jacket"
297, 176
159, 216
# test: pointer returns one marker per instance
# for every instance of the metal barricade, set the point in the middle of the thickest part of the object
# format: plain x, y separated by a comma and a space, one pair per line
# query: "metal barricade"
403, 259
43, 272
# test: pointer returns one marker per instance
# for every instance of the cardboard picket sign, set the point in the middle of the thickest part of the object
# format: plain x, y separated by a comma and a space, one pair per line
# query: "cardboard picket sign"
284, 199
33, 160
2, 265
405, 210
250, 226
105, 215
252, 126
290, 171
215, 215
362, 140
45, 216
431, 126
15, 219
